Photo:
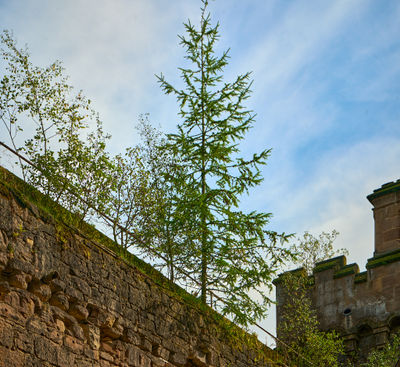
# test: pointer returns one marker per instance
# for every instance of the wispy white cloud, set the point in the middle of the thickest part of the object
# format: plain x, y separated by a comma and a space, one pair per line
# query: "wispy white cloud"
334, 196
303, 33
110, 49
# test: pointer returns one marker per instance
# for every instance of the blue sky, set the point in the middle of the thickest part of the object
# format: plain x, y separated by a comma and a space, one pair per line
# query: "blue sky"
326, 90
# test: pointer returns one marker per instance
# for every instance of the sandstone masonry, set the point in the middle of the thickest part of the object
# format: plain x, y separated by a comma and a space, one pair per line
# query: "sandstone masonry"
66, 301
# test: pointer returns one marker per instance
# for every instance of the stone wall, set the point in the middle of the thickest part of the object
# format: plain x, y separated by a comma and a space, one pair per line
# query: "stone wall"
66, 301
363, 307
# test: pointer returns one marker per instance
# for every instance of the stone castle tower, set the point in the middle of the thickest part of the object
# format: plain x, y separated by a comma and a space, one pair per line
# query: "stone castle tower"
363, 307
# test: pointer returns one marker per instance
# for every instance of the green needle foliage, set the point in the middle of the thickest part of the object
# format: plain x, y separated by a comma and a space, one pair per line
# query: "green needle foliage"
235, 257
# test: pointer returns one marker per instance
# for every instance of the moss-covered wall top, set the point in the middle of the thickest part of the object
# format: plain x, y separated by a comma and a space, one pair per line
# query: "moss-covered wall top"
68, 299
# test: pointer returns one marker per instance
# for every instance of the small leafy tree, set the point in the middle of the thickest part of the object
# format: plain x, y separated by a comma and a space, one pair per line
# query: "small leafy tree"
131, 201
311, 249
387, 356
168, 232
142, 213
70, 160
298, 326
234, 253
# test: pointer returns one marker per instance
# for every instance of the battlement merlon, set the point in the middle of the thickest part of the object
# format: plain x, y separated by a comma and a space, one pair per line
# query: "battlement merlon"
335, 268
386, 202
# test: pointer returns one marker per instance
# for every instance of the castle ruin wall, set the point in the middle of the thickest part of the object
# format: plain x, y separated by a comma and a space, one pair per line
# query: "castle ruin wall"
67, 301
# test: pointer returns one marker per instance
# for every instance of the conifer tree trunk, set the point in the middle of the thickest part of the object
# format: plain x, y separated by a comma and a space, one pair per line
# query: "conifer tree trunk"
203, 186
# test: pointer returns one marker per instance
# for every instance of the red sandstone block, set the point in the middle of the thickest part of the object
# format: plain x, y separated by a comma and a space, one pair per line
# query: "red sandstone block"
137, 358
106, 356
45, 350
11, 358
6, 335
392, 234
178, 359
65, 358
9, 311
73, 344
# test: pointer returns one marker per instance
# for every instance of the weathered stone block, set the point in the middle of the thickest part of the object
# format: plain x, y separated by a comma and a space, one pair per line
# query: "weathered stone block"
60, 300
79, 311
19, 280
178, 359
73, 344
9, 312
57, 285
60, 325
4, 287
145, 344
6, 335
106, 356
46, 350
160, 351
92, 335
92, 354
11, 358
41, 290
137, 358
3, 260
65, 358
131, 336
24, 342
199, 358
19, 266
113, 332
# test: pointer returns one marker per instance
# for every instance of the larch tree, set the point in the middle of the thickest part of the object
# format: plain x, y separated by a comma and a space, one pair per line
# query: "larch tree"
235, 255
